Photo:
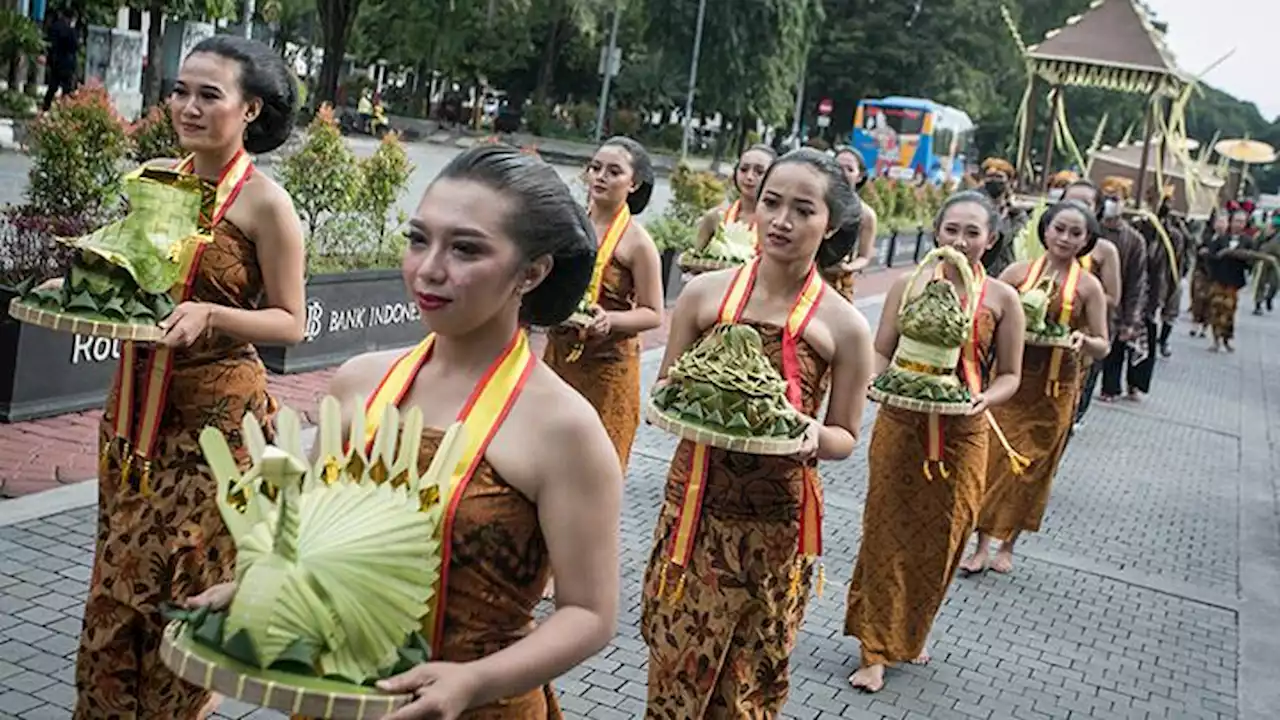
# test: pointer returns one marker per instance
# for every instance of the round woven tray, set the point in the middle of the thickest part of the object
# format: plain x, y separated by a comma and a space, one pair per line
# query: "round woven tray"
579, 320
921, 406
733, 443
701, 265
64, 322
1037, 340
310, 697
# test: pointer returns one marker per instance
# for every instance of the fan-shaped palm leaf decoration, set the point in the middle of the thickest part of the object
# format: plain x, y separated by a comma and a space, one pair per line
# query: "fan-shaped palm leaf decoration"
734, 243
338, 559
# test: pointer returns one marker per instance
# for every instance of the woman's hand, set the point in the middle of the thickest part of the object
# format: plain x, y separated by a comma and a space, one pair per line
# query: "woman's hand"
218, 597
186, 324
601, 324
979, 404
444, 691
809, 441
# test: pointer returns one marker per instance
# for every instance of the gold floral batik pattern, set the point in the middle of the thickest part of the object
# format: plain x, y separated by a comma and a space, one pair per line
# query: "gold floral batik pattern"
914, 528
608, 373
166, 540
720, 648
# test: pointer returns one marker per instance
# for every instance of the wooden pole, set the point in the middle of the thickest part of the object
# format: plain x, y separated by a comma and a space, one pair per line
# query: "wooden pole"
1055, 99
1146, 141
1024, 145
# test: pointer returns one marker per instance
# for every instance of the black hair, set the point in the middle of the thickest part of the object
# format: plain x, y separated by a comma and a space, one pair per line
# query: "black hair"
1083, 182
546, 220
758, 147
863, 175
843, 206
970, 196
641, 169
1092, 229
264, 76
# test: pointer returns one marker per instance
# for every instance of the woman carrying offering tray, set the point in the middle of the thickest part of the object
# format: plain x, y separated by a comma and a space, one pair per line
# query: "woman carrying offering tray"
1040, 414
497, 243
160, 534
841, 275
926, 467
738, 537
598, 351
727, 235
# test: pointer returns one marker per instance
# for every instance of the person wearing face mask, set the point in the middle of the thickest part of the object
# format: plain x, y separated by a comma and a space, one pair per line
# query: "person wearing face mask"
1130, 337
1058, 184
997, 174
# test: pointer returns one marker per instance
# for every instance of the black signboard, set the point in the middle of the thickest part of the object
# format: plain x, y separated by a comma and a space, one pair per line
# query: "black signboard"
349, 314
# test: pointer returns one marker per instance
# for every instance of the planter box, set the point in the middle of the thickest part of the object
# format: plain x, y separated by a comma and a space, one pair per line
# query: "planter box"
45, 373
672, 276
348, 314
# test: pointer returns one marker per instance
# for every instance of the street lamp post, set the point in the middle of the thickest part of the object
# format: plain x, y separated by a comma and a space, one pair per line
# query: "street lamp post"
693, 80
608, 70
248, 18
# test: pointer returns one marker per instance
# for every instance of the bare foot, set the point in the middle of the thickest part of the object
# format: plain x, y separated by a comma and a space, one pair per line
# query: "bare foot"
923, 658
869, 679
1003, 563
1227, 344
975, 564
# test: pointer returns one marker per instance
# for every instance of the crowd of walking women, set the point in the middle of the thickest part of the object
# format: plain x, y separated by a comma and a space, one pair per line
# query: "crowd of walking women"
498, 245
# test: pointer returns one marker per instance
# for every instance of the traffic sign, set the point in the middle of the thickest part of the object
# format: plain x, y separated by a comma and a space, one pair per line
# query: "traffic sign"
825, 106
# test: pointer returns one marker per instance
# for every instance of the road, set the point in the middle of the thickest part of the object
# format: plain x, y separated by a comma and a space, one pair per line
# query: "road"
428, 160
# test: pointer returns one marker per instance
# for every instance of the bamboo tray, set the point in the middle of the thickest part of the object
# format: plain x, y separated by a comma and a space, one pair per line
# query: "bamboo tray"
701, 265
932, 407
205, 667
579, 320
724, 441
65, 322
1039, 340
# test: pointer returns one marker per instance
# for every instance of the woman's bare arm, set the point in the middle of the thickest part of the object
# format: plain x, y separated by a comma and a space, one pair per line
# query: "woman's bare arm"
851, 367
1009, 339
646, 271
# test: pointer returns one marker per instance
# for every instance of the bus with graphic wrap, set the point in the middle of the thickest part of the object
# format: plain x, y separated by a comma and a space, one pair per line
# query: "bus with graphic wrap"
907, 138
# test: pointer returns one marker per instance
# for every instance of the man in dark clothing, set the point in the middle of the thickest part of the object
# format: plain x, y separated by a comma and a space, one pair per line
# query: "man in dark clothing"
1130, 338
63, 56
997, 173
1230, 257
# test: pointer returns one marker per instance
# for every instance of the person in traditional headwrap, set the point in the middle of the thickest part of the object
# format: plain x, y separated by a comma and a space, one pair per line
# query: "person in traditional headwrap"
1268, 270
1171, 271
1059, 183
1230, 258
1130, 344
997, 180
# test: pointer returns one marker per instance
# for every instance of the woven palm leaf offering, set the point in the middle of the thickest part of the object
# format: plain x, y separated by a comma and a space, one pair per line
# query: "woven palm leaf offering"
337, 562
1041, 330
725, 393
933, 326
733, 244
119, 284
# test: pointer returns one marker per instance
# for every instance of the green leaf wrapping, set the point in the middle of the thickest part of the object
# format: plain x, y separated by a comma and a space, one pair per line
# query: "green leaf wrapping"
935, 316
726, 383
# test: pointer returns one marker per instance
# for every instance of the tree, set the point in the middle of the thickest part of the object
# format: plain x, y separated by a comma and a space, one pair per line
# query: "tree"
337, 18
174, 10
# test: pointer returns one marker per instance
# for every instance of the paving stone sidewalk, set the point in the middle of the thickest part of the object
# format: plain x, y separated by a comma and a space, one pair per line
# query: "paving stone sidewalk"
1151, 592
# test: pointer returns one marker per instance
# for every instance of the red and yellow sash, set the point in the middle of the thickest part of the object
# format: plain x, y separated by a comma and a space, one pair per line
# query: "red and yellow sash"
140, 401
488, 406
604, 254
810, 542
1086, 262
733, 213
1069, 290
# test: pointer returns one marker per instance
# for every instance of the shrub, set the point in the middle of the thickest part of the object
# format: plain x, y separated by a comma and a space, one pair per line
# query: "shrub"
537, 119
626, 122
383, 177
15, 104
153, 136
323, 176
28, 251
693, 193
671, 233
76, 153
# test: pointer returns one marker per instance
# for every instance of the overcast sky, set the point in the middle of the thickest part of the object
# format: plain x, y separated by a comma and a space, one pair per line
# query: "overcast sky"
1202, 31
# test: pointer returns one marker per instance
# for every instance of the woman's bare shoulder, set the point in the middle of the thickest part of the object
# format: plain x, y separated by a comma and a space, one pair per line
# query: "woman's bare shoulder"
360, 374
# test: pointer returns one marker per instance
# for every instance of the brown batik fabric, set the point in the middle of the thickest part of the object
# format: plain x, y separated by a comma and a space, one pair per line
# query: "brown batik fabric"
498, 568
608, 373
720, 648
167, 540
841, 281
914, 528
1201, 287
1037, 423
1223, 300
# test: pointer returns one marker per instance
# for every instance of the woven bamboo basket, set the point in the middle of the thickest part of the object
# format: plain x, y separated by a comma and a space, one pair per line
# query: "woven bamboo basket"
205, 667
65, 322
724, 441
1040, 340
702, 265
932, 407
